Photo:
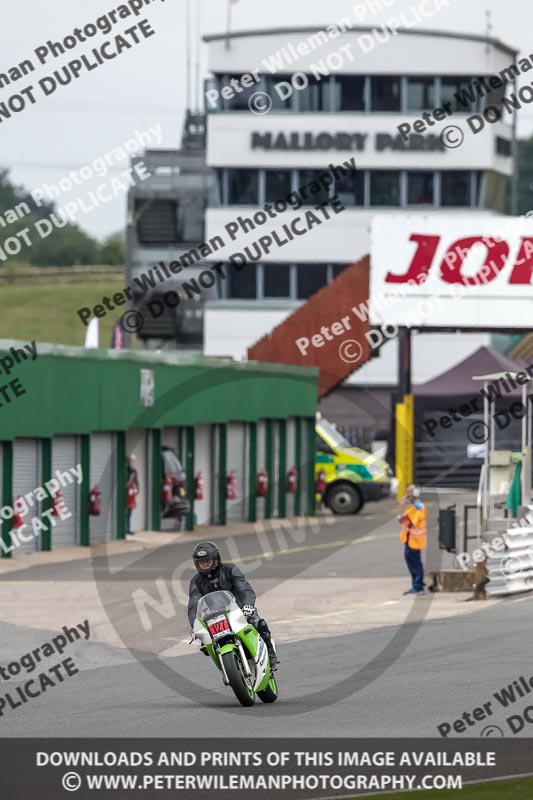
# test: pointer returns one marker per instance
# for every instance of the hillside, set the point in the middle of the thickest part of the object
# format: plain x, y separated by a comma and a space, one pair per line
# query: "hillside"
41, 304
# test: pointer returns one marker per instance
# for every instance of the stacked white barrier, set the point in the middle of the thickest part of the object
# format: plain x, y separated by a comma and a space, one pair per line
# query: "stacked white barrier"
511, 569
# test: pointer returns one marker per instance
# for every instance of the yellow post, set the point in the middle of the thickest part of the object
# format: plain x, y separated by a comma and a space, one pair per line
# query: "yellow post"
410, 437
404, 444
401, 465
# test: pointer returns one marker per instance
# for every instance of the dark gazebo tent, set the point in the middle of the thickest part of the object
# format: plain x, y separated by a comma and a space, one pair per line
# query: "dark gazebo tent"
449, 434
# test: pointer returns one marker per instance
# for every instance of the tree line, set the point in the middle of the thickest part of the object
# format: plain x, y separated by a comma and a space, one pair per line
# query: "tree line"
66, 246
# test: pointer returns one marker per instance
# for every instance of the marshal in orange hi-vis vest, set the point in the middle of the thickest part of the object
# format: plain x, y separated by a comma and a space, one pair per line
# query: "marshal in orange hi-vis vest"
414, 526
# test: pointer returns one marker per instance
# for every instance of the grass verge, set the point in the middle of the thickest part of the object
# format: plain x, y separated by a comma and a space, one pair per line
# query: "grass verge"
47, 313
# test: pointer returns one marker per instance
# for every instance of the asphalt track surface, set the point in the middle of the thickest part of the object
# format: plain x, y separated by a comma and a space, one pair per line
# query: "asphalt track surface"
386, 681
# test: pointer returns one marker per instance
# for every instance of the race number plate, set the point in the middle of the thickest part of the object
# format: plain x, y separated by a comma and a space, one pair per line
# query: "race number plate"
218, 626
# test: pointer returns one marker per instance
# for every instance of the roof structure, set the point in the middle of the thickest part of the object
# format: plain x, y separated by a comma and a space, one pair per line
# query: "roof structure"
459, 380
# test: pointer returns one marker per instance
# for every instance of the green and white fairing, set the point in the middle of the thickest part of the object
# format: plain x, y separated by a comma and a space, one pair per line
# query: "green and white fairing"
235, 646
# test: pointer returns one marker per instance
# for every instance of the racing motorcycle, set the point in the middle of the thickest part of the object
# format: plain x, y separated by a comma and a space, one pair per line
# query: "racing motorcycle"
236, 647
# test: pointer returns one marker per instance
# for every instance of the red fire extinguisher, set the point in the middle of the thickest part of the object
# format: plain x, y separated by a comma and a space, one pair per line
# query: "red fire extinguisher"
231, 485
320, 482
166, 494
57, 504
18, 508
199, 487
94, 501
292, 477
262, 484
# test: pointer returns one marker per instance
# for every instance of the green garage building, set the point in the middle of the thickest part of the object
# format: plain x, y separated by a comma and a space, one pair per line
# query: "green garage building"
95, 407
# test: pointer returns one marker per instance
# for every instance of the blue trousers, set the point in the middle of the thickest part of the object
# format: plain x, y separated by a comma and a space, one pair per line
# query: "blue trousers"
413, 559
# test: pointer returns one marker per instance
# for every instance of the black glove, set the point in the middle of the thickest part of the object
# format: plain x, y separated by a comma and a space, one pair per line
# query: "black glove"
249, 611
203, 649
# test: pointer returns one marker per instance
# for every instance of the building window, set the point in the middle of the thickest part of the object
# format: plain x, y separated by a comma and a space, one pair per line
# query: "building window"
338, 268
308, 178
455, 188
213, 102
240, 99
477, 179
276, 280
315, 96
420, 94
385, 93
311, 278
385, 188
220, 195
242, 284
495, 96
243, 187
349, 93
420, 189
462, 86
350, 189
269, 84
278, 184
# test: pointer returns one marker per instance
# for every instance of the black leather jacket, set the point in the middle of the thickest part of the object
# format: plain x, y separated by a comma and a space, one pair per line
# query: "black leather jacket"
227, 577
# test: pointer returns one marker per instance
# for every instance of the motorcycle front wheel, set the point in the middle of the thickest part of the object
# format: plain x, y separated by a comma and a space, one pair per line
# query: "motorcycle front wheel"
241, 685
270, 693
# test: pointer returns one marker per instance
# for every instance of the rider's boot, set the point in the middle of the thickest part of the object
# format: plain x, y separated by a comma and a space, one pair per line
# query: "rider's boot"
264, 630
272, 655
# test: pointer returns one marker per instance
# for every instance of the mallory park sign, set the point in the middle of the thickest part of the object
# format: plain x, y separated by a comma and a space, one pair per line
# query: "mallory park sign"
306, 141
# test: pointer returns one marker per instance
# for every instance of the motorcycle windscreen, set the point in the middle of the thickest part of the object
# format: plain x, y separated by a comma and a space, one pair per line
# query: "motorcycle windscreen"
213, 602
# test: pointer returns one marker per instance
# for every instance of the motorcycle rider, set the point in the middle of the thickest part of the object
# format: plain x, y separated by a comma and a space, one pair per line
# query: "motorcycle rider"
213, 575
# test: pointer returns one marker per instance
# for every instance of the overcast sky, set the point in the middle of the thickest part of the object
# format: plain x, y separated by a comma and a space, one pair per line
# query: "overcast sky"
146, 86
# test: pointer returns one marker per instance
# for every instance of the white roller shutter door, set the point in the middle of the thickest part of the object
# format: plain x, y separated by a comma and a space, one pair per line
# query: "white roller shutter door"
103, 474
261, 465
203, 462
66, 456
236, 463
276, 458
290, 463
215, 439
27, 478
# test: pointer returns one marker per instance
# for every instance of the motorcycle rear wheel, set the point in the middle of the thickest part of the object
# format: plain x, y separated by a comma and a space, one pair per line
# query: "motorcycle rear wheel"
241, 685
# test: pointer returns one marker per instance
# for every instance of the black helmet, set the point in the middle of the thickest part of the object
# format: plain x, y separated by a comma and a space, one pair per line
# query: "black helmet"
205, 550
